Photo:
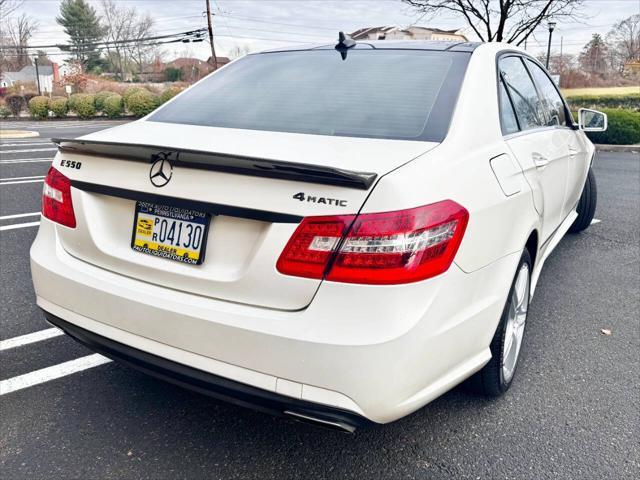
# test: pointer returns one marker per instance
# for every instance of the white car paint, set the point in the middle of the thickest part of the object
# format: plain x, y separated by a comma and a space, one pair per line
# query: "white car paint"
380, 351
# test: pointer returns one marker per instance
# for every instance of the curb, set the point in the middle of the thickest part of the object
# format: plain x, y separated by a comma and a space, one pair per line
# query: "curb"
65, 119
18, 134
618, 148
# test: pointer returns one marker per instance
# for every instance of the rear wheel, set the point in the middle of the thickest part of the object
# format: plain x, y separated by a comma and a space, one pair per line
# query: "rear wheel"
496, 376
586, 205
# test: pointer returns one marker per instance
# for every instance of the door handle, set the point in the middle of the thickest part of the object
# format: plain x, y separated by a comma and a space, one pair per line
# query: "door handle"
573, 151
539, 160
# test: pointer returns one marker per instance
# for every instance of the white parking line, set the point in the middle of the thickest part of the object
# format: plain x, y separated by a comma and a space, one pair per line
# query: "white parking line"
23, 144
29, 150
19, 225
51, 373
21, 178
30, 338
22, 181
19, 215
26, 160
595, 220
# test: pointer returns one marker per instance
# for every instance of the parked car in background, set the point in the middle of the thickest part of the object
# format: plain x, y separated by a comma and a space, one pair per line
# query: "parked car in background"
338, 234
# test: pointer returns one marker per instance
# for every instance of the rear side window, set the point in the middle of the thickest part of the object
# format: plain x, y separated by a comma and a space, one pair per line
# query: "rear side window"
523, 93
399, 94
508, 119
552, 100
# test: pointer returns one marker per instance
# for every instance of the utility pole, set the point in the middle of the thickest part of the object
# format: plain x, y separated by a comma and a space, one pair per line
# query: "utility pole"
213, 48
35, 60
561, 57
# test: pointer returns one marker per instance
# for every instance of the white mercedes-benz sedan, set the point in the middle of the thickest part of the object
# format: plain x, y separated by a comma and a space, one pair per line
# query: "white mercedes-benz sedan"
335, 233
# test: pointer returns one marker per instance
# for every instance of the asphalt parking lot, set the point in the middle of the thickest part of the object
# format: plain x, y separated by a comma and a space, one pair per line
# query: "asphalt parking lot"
573, 412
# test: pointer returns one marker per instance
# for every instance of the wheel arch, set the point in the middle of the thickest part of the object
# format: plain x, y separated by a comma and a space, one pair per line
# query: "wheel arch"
533, 244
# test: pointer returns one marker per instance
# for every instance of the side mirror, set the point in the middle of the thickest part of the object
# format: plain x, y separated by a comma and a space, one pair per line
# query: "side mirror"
592, 120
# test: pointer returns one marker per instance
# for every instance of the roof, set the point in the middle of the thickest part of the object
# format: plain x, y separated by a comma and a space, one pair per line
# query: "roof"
28, 73
384, 29
187, 62
432, 45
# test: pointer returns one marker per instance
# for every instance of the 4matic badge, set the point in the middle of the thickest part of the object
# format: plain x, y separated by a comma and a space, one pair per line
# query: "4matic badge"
303, 197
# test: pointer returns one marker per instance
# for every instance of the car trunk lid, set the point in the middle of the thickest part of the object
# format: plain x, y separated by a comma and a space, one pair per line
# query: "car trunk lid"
248, 181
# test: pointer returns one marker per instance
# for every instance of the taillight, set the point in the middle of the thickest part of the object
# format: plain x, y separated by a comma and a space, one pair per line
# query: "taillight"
56, 199
377, 248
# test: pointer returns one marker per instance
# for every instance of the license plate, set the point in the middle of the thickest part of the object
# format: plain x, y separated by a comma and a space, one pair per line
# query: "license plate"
169, 232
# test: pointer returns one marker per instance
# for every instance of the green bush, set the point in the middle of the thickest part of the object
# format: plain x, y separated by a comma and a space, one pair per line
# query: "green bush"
4, 111
131, 91
39, 107
623, 129
142, 103
71, 103
113, 106
59, 106
83, 104
101, 97
169, 93
15, 103
628, 101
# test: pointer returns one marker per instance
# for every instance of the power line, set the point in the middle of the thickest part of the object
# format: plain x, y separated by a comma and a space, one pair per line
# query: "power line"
192, 34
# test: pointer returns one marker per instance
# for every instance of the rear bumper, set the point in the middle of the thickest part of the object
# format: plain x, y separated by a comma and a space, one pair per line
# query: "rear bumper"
213, 385
376, 352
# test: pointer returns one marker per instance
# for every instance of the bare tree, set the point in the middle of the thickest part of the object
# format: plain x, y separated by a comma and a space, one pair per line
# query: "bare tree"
122, 23
7, 7
142, 51
239, 51
624, 41
510, 21
118, 24
19, 31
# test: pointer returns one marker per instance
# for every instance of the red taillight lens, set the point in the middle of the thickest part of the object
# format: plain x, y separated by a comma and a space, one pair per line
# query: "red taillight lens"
56, 199
309, 250
380, 248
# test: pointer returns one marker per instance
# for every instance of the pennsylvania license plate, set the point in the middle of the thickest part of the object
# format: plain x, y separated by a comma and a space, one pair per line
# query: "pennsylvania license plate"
170, 232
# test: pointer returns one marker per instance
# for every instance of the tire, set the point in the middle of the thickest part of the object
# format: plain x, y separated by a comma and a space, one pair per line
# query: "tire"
586, 205
495, 378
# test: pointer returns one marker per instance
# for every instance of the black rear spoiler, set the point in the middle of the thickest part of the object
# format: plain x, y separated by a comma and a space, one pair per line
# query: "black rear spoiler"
220, 162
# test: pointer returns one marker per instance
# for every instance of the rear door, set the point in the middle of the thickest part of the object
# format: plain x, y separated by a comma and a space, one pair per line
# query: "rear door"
559, 117
541, 149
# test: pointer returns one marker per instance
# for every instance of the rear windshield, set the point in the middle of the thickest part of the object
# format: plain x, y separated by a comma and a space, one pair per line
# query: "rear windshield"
398, 94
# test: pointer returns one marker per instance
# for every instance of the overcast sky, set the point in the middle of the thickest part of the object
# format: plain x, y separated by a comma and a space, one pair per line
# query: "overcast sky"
260, 24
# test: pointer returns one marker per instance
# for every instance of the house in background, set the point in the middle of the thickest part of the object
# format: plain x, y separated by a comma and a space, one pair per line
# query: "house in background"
48, 75
409, 33
632, 67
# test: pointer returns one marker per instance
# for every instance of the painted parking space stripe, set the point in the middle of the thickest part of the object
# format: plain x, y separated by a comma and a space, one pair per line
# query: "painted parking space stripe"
51, 373
25, 160
595, 220
20, 215
22, 181
19, 225
30, 150
30, 338
21, 178
23, 144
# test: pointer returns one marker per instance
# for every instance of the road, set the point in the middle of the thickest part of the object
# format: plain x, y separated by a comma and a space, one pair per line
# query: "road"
573, 411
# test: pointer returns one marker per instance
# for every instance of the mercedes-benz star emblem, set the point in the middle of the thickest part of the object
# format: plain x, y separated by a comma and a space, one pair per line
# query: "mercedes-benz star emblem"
161, 171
